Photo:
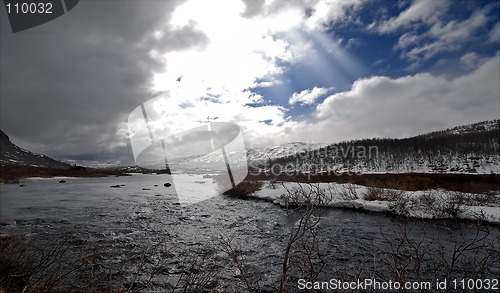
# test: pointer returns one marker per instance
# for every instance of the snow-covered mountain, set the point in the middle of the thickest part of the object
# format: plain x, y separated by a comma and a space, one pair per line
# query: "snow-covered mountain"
472, 148
251, 157
11, 154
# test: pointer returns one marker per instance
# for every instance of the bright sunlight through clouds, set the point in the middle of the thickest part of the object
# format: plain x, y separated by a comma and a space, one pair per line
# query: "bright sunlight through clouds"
216, 81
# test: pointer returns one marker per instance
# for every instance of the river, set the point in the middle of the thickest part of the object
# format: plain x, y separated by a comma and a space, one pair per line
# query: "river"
184, 244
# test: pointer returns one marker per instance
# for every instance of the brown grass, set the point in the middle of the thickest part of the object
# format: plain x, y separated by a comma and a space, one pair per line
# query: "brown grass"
12, 174
478, 183
244, 188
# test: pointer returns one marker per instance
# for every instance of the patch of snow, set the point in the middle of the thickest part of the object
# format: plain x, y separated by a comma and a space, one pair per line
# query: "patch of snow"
410, 204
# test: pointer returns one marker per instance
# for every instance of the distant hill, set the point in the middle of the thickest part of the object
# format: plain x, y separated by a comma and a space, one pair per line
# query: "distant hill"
469, 149
472, 148
12, 155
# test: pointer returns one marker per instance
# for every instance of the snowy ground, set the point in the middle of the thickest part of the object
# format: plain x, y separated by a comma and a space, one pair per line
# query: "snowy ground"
428, 204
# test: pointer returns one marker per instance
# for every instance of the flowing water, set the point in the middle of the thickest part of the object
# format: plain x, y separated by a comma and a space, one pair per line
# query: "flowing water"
139, 217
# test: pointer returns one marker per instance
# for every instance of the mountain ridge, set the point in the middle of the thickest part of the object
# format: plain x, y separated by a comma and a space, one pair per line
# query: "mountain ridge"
13, 155
470, 148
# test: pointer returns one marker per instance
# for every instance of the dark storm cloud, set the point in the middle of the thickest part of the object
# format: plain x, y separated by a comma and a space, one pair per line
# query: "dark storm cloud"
68, 86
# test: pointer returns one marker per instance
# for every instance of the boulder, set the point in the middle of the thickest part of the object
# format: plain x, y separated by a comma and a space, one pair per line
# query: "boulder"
167, 184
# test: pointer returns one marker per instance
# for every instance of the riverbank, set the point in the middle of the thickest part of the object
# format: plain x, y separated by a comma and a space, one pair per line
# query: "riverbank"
471, 183
436, 203
12, 174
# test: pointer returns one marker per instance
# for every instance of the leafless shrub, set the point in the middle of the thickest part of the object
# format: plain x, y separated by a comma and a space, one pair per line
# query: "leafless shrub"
272, 184
405, 255
383, 194
397, 194
428, 199
30, 266
451, 206
403, 203
348, 192
59, 265
374, 193
302, 257
421, 258
198, 271
305, 194
482, 199
444, 204
471, 257
225, 243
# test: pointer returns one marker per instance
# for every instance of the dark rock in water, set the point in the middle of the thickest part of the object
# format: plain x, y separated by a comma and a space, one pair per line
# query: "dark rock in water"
22, 185
167, 184
8, 223
122, 185
62, 181
115, 186
146, 189
156, 185
157, 194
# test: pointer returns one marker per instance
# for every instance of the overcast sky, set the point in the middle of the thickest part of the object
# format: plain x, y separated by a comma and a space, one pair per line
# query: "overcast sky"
284, 70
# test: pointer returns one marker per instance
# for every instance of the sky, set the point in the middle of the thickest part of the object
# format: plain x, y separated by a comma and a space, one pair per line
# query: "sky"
316, 71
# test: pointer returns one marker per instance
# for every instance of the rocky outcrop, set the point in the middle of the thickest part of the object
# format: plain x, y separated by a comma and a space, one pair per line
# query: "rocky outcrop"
13, 155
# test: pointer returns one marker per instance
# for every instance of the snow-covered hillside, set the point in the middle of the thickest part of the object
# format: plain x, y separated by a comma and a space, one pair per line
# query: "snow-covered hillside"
250, 157
423, 204
470, 148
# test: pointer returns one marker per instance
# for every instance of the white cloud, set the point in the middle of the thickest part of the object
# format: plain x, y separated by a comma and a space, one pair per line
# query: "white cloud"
494, 35
421, 10
353, 43
216, 79
308, 96
470, 60
248, 45
458, 30
328, 11
410, 105
443, 36
429, 30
